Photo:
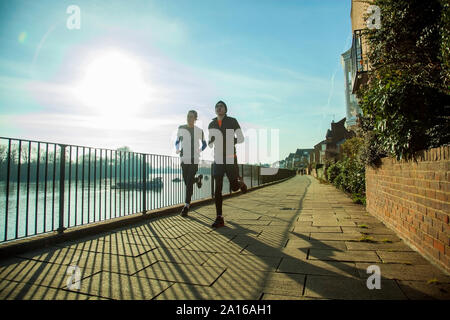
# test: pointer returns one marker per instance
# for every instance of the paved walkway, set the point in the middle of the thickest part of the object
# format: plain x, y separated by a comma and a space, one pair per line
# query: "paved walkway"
295, 240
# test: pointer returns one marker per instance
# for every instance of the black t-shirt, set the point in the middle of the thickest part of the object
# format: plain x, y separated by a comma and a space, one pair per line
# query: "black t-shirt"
227, 123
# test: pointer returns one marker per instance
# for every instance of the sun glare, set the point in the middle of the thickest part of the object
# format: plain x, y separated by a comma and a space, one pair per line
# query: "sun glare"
113, 85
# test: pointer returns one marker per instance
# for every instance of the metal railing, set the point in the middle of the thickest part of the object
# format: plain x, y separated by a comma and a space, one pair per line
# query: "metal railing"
47, 187
359, 59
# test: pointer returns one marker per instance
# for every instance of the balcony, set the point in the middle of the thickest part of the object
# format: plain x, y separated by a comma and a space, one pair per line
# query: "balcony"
359, 61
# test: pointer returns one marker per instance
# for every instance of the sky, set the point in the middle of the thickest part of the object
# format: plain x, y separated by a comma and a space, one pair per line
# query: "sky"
124, 73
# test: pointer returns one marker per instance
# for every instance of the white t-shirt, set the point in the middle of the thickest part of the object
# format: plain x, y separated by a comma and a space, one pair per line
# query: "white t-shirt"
189, 143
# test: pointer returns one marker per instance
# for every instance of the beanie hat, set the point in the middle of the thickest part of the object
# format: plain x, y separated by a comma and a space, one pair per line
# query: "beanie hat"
226, 109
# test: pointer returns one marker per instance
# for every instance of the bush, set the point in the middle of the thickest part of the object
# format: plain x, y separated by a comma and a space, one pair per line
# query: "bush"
406, 100
333, 171
348, 174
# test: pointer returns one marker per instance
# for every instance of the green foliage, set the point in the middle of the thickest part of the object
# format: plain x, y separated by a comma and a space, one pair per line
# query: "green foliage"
348, 174
359, 199
406, 101
333, 171
351, 148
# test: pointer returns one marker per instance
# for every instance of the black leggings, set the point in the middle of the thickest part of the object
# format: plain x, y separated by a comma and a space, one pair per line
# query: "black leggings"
232, 172
189, 171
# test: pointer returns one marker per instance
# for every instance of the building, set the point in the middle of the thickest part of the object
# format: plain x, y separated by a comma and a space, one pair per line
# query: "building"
318, 155
289, 161
355, 63
335, 137
353, 110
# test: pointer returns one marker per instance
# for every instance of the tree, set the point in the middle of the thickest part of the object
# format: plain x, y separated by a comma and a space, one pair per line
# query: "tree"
406, 100
124, 149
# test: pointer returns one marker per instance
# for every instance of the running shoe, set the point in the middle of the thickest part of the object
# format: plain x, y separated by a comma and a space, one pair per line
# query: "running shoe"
184, 211
243, 187
199, 181
219, 222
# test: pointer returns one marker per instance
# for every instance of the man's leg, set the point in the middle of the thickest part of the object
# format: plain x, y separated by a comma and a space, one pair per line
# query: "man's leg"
218, 184
236, 182
218, 173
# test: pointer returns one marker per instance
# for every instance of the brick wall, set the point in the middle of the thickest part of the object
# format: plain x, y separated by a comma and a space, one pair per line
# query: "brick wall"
412, 198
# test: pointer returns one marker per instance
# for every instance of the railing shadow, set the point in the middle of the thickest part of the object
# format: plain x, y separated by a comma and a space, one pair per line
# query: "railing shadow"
159, 235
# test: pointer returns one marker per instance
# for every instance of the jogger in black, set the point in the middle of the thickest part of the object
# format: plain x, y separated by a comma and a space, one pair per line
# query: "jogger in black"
188, 146
224, 133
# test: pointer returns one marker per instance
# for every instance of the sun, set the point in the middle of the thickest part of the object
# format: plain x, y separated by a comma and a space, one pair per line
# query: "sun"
113, 85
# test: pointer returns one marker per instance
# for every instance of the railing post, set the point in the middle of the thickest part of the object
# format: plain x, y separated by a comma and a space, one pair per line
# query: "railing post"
251, 176
7, 189
259, 173
62, 177
144, 182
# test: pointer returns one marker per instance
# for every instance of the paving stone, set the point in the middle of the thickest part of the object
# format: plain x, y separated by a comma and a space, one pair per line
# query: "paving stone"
245, 240
333, 224
161, 242
369, 230
284, 284
334, 236
334, 255
269, 296
54, 255
307, 229
298, 253
125, 238
11, 290
210, 237
157, 231
397, 246
178, 256
331, 218
317, 267
402, 257
106, 247
280, 223
207, 246
184, 273
121, 287
91, 260
251, 222
350, 289
267, 251
191, 224
243, 284
314, 244
40, 273
182, 291
420, 290
243, 261
305, 218
405, 272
